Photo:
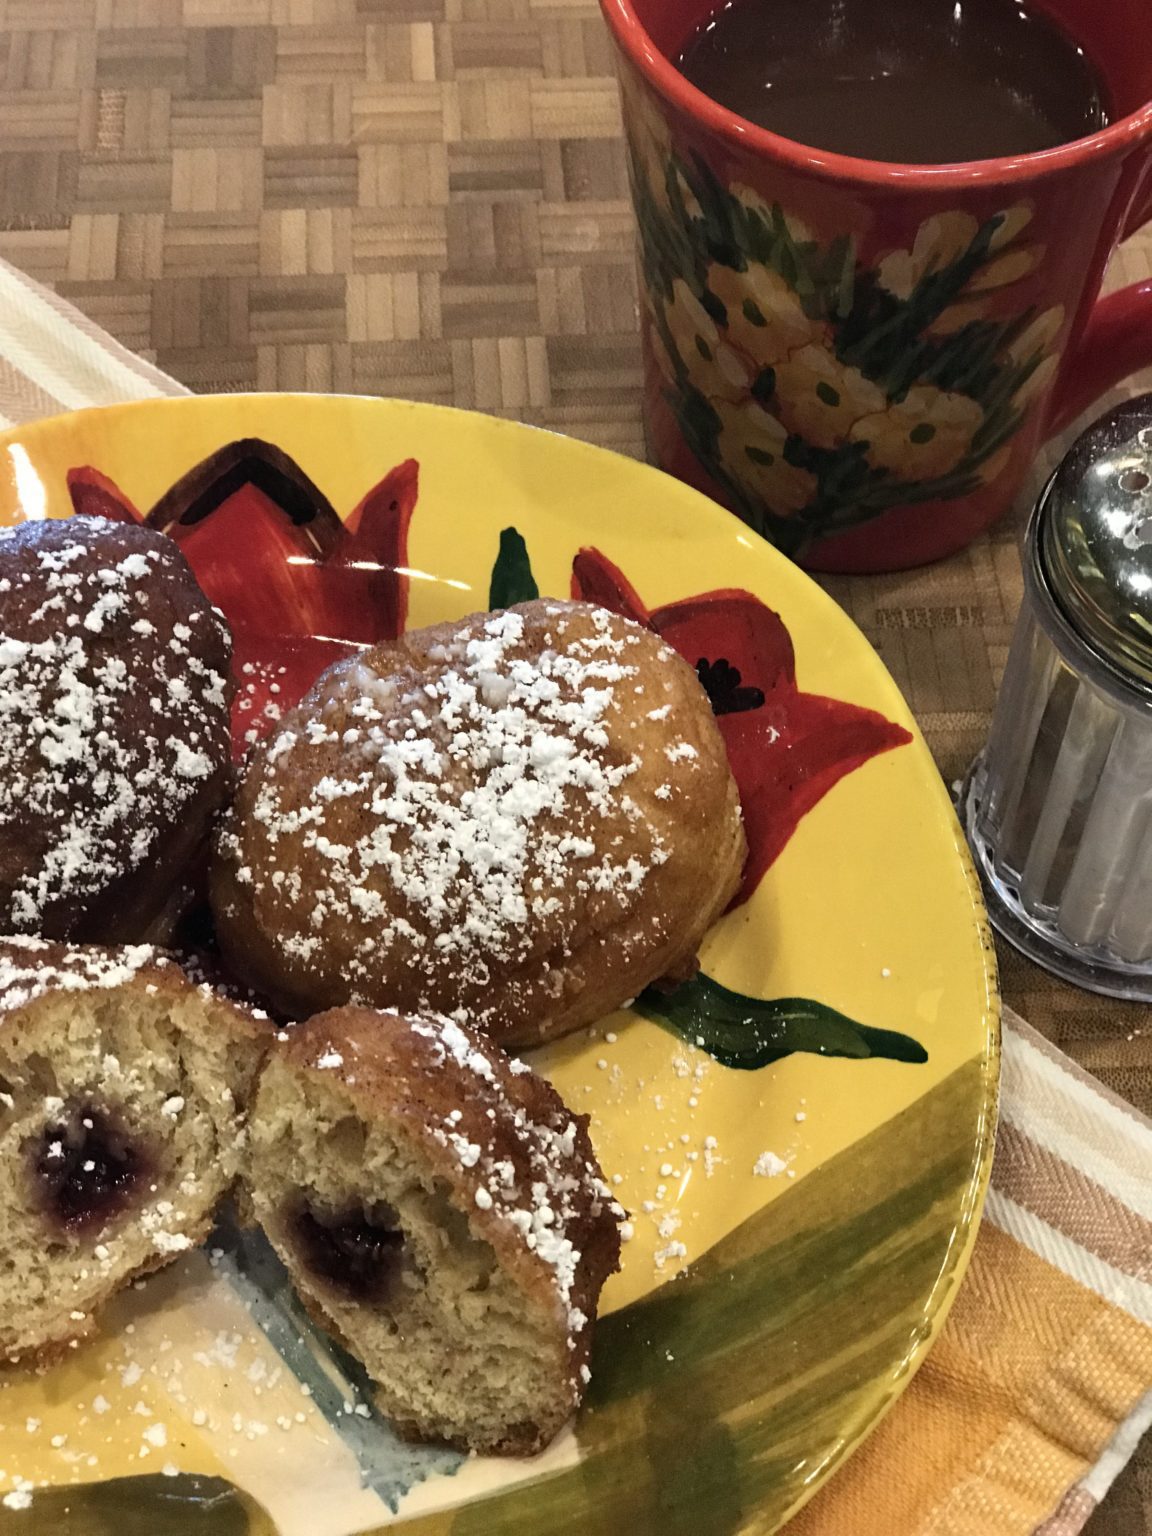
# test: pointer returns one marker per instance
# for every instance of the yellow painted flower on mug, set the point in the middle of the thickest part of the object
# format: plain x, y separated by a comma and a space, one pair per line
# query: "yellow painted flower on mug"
922, 436
956, 316
715, 368
1009, 262
752, 445
939, 241
650, 144
789, 329
771, 213
1013, 221
765, 318
663, 357
1005, 269
689, 199
1037, 381
944, 238
819, 398
648, 137
1038, 336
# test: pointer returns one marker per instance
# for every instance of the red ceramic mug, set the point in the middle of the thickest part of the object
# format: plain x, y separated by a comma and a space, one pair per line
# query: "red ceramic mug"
861, 358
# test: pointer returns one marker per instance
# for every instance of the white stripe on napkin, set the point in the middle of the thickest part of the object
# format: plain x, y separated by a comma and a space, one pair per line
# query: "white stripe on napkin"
54, 358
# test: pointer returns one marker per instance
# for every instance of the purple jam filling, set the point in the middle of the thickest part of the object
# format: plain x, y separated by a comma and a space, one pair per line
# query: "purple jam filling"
357, 1254
87, 1168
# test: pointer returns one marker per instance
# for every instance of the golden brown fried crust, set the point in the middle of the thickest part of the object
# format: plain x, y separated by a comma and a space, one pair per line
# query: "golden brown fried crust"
32, 968
439, 1080
406, 839
115, 751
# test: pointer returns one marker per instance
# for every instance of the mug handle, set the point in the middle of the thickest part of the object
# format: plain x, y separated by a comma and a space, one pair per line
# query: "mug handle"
1116, 342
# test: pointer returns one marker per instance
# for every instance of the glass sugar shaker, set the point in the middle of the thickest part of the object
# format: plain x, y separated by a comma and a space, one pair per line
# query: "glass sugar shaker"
1058, 807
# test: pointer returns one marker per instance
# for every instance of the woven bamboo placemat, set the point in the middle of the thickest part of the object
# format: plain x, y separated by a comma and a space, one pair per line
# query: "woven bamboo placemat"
428, 198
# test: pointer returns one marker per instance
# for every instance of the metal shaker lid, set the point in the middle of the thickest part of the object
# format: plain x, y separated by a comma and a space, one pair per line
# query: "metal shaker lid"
1094, 532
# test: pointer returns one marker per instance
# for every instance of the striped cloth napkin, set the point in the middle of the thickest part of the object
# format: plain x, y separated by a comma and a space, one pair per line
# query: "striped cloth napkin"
1040, 1386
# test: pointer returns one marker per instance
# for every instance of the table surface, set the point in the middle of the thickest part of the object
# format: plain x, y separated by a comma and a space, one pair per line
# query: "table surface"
428, 198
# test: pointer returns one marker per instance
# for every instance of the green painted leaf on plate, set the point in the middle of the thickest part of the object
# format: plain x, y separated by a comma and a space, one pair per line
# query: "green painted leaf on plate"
186, 1505
750, 1032
512, 578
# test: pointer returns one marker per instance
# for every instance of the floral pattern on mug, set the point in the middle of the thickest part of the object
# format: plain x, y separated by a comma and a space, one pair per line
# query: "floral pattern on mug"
817, 390
750, 437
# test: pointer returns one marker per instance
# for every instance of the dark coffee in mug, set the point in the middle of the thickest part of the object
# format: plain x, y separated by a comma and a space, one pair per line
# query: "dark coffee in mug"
916, 81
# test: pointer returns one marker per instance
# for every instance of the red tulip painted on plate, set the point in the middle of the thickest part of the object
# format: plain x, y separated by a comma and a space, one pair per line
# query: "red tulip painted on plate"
300, 588
787, 748
94, 495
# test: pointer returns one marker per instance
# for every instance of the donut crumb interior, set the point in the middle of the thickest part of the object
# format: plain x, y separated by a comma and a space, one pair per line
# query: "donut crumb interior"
457, 1352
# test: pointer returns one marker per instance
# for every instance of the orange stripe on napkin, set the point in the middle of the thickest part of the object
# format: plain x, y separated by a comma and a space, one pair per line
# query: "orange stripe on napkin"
1017, 1399
1048, 1348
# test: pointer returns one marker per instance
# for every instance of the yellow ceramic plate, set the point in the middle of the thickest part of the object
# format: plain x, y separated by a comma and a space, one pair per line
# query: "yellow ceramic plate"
802, 1138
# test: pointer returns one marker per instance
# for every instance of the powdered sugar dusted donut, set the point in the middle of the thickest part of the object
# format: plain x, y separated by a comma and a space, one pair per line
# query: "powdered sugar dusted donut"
442, 1212
522, 818
114, 739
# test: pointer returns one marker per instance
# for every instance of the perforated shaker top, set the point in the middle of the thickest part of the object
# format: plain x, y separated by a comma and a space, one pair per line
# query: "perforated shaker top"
1095, 539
